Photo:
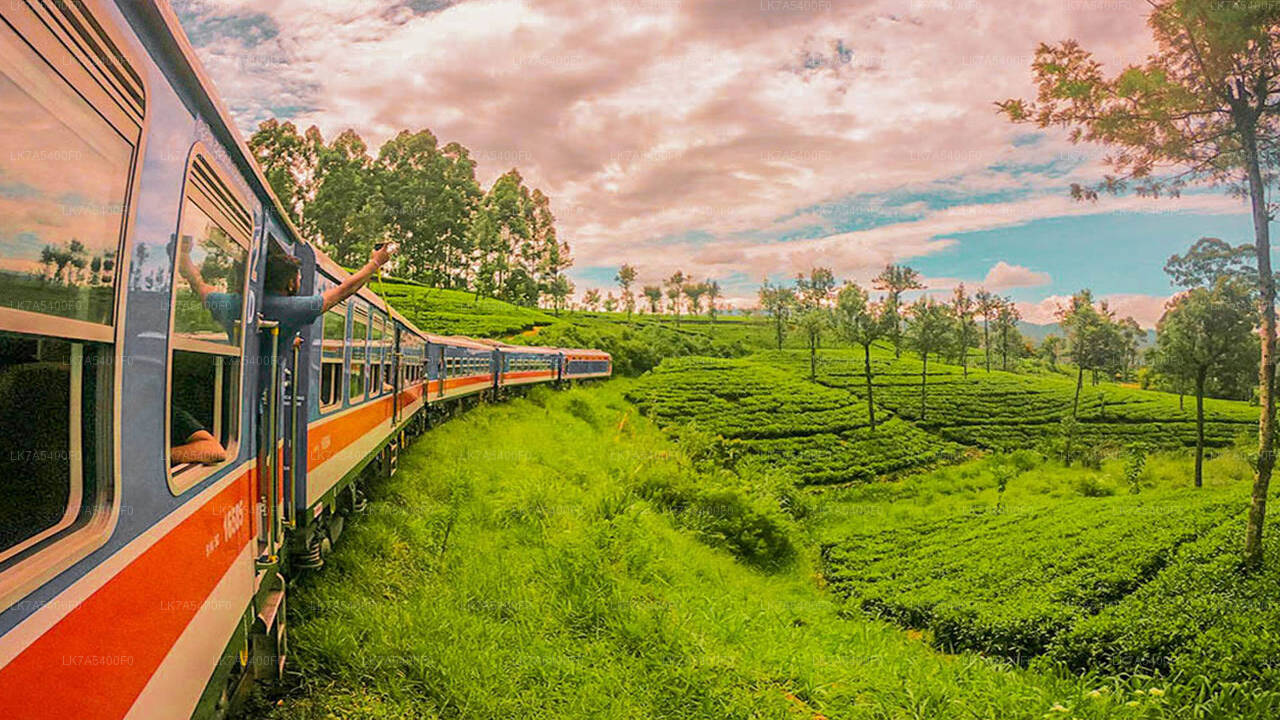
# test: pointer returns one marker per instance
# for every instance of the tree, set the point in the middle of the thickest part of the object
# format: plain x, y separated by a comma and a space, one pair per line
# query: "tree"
1202, 108
625, 278
694, 292
778, 303
713, 298
861, 323
813, 294
1131, 336
1007, 317
928, 331
1201, 329
1050, 350
675, 291
987, 303
1087, 338
895, 280
561, 289
966, 330
1209, 259
592, 299
653, 293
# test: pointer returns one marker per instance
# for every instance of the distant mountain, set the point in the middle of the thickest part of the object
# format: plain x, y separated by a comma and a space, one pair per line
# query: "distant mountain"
1038, 333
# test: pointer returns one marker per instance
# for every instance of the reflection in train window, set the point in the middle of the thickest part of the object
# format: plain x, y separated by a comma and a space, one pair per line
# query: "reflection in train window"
64, 175
208, 297
54, 437
209, 289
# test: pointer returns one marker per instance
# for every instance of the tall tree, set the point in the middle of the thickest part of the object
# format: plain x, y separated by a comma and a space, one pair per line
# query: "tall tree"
713, 299
653, 293
1007, 317
987, 304
625, 278
693, 292
895, 280
561, 289
813, 295
1200, 330
962, 311
1203, 107
1088, 338
861, 323
778, 303
675, 291
591, 300
928, 331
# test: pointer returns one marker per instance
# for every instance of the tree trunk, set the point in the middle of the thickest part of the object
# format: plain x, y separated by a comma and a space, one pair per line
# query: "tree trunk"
1200, 426
1004, 349
813, 358
1075, 404
1267, 366
871, 406
924, 382
986, 339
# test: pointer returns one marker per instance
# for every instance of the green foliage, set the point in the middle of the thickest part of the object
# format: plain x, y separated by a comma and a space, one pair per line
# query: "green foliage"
563, 592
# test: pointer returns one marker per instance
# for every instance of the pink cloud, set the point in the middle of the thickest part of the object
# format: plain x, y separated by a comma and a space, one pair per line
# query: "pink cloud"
1003, 276
1146, 309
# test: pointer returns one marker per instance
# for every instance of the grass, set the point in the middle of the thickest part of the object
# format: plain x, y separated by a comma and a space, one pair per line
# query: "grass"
578, 564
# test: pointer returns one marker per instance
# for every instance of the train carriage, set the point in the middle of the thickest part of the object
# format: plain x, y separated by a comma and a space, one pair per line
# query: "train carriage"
140, 574
587, 364
525, 365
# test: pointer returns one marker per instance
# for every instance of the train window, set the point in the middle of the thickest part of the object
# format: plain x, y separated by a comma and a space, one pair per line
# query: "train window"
331, 349
376, 332
388, 358
66, 173
71, 114
54, 436
359, 352
209, 296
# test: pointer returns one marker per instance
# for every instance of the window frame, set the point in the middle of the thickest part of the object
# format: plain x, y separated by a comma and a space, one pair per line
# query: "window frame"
41, 31
358, 307
340, 380
182, 478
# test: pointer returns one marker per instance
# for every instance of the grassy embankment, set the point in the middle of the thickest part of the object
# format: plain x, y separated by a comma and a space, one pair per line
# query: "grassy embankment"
558, 556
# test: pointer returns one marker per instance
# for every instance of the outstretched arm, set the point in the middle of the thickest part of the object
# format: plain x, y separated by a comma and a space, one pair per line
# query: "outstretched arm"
377, 259
187, 268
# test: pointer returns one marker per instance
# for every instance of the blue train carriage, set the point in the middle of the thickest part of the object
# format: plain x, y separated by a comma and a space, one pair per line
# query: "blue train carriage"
526, 365
585, 364
467, 368
141, 525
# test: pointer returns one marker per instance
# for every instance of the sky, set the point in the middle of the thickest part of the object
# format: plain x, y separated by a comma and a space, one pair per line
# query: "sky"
742, 139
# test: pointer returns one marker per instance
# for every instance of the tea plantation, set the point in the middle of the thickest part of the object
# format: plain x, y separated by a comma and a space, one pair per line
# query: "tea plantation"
1114, 567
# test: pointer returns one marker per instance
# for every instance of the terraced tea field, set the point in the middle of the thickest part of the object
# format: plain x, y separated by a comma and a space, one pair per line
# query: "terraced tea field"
818, 434
1000, 410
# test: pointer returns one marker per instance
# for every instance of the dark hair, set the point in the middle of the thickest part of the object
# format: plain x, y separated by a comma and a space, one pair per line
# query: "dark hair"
282, 268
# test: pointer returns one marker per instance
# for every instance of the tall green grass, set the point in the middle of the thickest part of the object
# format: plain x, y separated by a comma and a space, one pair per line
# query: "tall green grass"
558, 557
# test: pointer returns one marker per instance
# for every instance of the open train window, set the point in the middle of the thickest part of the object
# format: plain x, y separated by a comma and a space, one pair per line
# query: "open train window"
388, 356
71, 116
331, 350
359, 352
211, 255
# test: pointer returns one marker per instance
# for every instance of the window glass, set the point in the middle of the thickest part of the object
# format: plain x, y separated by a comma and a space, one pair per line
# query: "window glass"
359, 353
64, 174
208, 333
331, 349
53, 436
210, 283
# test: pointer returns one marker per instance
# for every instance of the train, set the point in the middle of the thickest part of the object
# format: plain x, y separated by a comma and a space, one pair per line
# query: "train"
167, 470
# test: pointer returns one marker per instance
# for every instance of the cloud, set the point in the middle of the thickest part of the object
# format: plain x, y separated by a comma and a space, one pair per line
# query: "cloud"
1146, 309
1003, 276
